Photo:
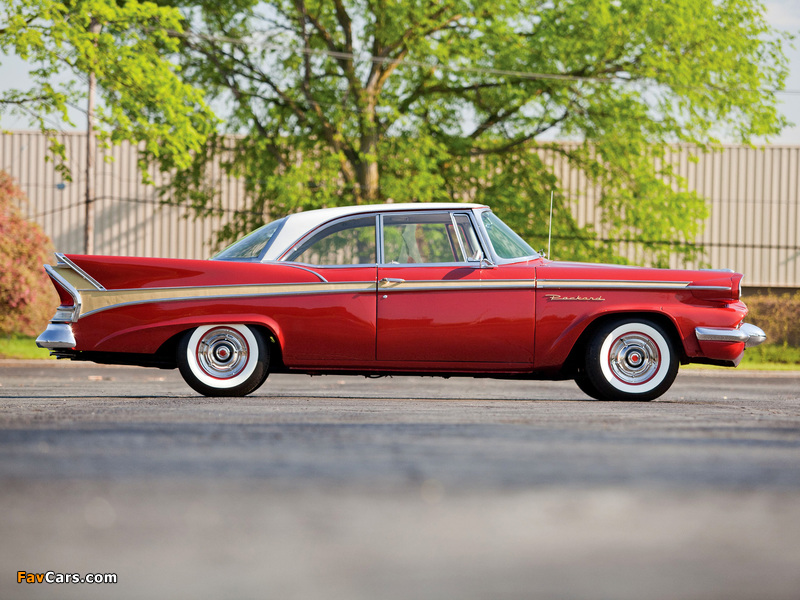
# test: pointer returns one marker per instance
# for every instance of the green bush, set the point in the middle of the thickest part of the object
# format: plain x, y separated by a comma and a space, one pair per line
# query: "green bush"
27, 298
778, 354
778, 315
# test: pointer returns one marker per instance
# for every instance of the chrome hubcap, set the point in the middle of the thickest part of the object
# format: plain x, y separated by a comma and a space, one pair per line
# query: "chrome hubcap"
222, 353
634, 358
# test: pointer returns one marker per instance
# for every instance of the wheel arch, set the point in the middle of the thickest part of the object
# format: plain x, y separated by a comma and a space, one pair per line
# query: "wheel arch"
575, 358
268, 330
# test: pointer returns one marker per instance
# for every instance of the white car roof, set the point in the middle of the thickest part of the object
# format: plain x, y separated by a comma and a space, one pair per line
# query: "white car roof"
298, 224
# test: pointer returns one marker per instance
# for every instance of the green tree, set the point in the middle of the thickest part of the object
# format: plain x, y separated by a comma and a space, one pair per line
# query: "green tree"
143, 98
339, 101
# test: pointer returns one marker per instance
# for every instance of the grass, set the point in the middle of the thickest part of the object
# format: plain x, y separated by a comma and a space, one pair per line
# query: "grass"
22, 347
772, 357
768, 357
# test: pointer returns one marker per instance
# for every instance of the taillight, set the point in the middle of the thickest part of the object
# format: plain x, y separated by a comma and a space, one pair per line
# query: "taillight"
727, 289
70, 299
64, 297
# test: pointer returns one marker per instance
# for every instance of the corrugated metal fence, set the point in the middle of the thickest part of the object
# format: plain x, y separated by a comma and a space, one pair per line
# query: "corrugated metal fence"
130, 219
753, 196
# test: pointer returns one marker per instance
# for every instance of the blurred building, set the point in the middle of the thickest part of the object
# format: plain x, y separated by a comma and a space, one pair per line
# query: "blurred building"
753, 195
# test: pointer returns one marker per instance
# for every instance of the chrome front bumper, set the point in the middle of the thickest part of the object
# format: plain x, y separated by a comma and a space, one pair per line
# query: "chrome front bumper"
57, 336
747, 333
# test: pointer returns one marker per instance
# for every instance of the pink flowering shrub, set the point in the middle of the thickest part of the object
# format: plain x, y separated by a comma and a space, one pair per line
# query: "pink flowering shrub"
27, 298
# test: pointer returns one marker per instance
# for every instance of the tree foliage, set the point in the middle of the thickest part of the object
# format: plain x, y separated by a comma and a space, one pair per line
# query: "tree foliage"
342, 101
143, 98
27, 298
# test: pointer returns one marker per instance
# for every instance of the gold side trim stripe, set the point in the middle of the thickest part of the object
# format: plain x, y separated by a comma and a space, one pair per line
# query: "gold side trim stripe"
74, 279
95, 301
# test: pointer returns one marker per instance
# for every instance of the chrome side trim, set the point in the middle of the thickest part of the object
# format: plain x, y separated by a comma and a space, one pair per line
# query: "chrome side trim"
747, 333
63, 259
401, 285
76, 295
624, 284
321, 278
57, 336
600, 284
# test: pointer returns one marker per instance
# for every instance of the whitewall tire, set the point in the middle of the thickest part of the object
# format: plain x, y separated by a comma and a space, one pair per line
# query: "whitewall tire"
630, 359
223, 360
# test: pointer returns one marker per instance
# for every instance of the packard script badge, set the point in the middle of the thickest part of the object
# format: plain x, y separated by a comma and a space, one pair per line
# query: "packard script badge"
558, 298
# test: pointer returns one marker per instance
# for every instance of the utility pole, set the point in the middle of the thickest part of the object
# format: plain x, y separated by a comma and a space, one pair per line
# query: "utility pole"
88, 239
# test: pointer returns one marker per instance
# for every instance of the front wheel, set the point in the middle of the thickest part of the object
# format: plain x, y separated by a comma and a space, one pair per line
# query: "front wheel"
630, 359
223, 360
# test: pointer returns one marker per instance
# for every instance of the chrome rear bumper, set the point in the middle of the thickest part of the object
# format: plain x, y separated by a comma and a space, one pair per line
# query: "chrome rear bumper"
57, 336
747, 333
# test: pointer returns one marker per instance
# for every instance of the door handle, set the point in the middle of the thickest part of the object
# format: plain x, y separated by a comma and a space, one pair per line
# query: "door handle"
391, 280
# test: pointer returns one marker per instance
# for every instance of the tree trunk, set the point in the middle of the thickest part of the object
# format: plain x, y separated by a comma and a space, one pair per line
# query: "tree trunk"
88, 233
368, 182
367, 167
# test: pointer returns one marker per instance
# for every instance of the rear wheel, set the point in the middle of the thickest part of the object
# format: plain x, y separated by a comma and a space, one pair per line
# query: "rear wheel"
223, 360
629, 359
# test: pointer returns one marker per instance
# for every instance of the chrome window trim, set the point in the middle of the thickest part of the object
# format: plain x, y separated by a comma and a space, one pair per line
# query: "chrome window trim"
300, 223
458, 235
379, 233
76, 295
320, 229
452, 212
467, 209
488, 243
63, 260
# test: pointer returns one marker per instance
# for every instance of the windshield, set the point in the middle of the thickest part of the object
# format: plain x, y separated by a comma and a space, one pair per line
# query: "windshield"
252, 245
505, 242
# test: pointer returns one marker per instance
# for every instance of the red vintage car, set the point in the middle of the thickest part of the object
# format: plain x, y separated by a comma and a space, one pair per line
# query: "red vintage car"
414, 289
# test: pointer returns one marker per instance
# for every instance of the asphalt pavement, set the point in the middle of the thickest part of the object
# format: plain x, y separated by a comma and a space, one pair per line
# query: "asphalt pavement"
397, 488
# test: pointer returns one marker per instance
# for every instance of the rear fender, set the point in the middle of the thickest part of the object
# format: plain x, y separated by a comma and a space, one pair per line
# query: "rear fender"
147, 339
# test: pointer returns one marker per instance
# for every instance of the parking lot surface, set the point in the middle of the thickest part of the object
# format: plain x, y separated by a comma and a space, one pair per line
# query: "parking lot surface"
344, 487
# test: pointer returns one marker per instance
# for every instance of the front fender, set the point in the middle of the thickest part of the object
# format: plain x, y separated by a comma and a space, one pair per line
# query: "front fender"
561, 323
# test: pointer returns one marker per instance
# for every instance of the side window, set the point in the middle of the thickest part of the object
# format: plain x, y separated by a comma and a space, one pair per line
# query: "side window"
426, 238
348, 242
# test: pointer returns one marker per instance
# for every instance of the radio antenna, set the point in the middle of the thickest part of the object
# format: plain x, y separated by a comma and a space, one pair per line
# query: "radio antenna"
550, 226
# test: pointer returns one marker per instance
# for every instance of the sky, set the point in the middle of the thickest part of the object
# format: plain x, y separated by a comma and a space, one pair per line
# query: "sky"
782, 14
785, 15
